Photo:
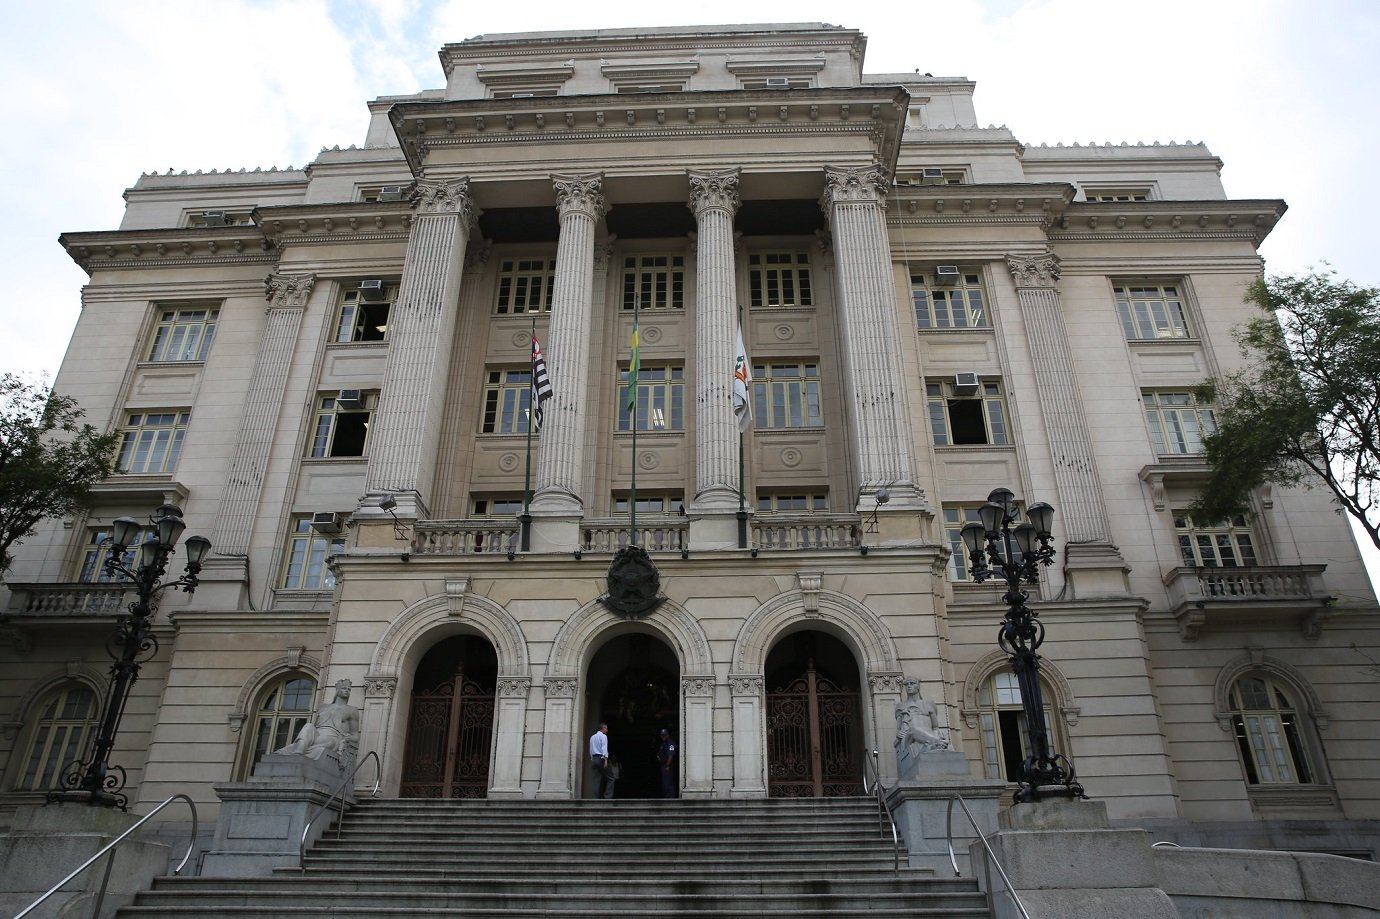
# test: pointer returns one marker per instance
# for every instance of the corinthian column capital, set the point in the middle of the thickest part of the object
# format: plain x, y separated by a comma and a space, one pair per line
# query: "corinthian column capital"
445, 198
862, 184
714, 189
288, 291
582, 194
1034, 270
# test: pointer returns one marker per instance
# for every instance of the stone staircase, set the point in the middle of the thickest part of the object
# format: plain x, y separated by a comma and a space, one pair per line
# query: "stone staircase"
635, 858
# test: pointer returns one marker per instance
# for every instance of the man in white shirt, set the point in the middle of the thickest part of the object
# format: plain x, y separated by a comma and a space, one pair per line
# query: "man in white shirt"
600, 783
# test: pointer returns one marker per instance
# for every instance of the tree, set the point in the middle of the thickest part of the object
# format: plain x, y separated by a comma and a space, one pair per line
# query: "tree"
48, 460
1307, 405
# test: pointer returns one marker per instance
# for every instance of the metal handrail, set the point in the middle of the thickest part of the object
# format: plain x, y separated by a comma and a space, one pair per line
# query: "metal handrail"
883, 811
991, 856
100, 894
378, 777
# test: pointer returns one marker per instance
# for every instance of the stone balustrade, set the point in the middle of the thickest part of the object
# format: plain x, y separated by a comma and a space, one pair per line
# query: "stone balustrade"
1208, 597
660, 535
806, 531
464, 537
70, 599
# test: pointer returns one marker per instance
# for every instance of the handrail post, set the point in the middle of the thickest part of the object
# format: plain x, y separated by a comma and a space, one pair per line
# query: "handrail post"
306, 830
991, 855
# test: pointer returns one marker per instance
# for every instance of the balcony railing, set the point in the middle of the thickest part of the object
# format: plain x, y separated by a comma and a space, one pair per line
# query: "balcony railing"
806, 531
71, 599
464, 537
671, 534
1208, 597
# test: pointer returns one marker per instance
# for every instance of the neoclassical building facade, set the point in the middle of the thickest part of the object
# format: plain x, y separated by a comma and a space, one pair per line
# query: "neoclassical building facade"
329, 370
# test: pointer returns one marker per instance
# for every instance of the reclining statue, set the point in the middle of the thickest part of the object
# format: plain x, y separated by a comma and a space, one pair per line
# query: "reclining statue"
335, 729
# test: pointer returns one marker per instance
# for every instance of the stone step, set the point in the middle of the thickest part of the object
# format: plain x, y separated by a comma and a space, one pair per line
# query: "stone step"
578, 911
668, 866
906, 883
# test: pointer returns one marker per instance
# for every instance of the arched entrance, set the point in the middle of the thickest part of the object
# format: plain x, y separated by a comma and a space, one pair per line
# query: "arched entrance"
451, 721
634, 685
814, 718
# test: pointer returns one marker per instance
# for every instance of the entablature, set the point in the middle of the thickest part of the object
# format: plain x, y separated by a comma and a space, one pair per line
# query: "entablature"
333, 224
113, 249
1138, 221
878, 114
1042, 203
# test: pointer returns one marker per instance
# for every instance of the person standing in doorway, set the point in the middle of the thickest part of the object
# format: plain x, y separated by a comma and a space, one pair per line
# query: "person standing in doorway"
666, 760
600, 782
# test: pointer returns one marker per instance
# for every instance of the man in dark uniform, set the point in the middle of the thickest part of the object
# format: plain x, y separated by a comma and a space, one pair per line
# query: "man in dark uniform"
666, 759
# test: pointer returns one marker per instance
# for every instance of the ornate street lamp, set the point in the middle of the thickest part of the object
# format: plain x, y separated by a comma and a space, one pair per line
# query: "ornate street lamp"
1016, 552
95, 780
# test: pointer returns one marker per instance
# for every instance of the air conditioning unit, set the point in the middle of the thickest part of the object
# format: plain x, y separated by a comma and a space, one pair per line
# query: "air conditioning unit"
350, 399
391, 193
373, 289
215, 219
966, 384
327, 522
947, 275
778, 83
932, 176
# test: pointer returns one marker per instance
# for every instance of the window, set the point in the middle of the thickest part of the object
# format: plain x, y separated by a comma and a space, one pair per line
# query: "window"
284, 709
777, 82
1177, 422
496, 506
364, 313
1226, 544
1149, 312
1129, 193
306, 556
1266, 724
97, 548
66, 719
664, 503
506, 399
152, 442
779, 279
963, 415
650, 87
183, 334
525, 285
948, 303
201, 220
956, 517
1001, 721
786, 396
932, 175
530, 92
654, 282
342, 423
771, 502
660, 399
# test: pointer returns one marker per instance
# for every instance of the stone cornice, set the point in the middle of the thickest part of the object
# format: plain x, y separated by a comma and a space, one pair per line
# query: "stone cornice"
875, 111
1038, 203
110, 249
334, 224
1251, 219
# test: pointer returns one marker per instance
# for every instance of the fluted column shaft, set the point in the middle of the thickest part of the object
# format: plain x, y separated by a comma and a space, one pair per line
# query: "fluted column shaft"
421, 326
1081, 509
854, 201
263, 405
714, 199
560, 457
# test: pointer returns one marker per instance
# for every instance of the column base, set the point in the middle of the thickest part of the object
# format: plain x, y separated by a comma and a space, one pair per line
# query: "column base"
715, 532
555, 533
1096, 571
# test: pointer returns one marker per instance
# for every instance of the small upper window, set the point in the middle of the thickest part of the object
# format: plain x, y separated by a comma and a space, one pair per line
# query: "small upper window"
773, 502
496, 506
342, 423
778, 82
151, 442
183, 334
664, 503
384, 193
1151, 311
201, 220
364, 311
654, 282
525, 285
948, 297
529, 92
780, 279
967, 414
931, 175
1098, 195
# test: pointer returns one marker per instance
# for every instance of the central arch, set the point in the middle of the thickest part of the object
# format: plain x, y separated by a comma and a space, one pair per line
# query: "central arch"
633, 685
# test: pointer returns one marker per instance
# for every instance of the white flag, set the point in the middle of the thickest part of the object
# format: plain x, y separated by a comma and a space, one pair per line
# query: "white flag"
742, 376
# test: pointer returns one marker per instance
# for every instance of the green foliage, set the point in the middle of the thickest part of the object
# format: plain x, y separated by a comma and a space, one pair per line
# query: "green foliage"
48, 460
1307, 405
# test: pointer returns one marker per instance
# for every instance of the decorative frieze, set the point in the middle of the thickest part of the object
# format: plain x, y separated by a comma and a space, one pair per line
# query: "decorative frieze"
560, 687
697, 686
514, 687
749, 685
380, 687
886, 682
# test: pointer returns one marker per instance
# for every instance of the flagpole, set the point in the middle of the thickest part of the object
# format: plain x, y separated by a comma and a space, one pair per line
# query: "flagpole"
525, 521
633, 369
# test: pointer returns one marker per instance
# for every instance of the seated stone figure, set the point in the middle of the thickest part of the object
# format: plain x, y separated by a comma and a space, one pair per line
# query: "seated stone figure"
915, 730
335, 729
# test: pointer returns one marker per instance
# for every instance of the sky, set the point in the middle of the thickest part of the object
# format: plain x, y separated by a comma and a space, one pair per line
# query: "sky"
1284, 92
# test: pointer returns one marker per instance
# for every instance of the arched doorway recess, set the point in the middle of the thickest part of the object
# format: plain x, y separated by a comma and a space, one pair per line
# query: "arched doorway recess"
451, 721
815, 732
634, 686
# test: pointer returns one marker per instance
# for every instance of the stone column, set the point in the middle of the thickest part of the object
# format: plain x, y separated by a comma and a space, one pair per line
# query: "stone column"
855, 203
556, 740
421, 326
375, 716
510, 722
749, 729
697, 738
714, 199
885, 694
1082, 514
560, 456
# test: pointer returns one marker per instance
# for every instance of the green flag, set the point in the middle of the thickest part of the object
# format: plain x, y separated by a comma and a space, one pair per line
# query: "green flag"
633, 366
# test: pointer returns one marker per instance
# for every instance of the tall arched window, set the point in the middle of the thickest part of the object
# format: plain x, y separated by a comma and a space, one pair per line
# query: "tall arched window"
1267, 726
66, 718
1001, 720
284, 707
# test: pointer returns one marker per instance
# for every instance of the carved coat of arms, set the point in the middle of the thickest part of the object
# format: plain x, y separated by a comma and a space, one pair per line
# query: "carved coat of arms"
633, 582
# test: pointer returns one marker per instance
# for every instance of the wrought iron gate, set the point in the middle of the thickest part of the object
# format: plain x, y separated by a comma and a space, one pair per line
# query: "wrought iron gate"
449, 734
814, 739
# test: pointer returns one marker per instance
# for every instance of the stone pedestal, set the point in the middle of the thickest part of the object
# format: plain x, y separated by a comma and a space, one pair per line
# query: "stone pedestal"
261, 821
46, 843
920, 805
715, 532
555, 533
1063, 860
